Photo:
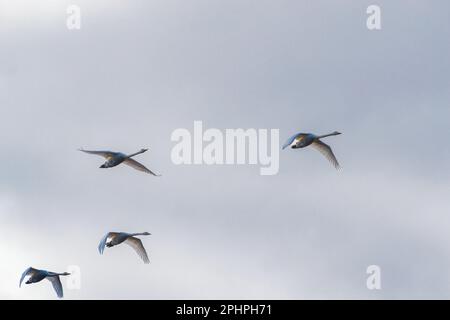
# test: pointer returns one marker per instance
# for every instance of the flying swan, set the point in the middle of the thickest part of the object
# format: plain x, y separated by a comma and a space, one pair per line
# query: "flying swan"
302, 140
115, 158
112, 239
37, 275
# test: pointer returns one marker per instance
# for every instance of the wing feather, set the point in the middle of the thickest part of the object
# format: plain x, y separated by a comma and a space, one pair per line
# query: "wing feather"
138, 166
137, 245
30, 271
290, 140
102, 244
56, 283
325, 150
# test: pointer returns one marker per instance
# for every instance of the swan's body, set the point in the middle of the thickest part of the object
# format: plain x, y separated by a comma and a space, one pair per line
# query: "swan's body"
302, 140
112, 239
37, 275
115, 158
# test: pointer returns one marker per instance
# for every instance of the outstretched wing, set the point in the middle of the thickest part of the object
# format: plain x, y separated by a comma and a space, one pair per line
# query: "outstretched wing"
56, 283
325, 149
290, 140
30, 271
102, 244
137, 245
138, 166
104, 154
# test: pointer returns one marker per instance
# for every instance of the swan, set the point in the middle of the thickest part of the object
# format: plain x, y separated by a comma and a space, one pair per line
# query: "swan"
115, 158
37, 275
112, 239
301, 140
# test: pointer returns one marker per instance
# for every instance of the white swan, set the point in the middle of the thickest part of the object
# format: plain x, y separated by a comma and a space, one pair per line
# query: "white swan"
302, 140
112, 239
115, 158
37, 275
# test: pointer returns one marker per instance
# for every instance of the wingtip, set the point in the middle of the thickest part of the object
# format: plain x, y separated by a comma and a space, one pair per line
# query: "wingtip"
154, 174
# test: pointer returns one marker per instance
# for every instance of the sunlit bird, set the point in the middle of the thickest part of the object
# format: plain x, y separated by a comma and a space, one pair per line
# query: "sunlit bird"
112, 239
302, 140
36, 275
115, 158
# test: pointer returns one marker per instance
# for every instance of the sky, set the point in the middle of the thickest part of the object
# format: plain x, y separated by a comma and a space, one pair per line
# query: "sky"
137, 70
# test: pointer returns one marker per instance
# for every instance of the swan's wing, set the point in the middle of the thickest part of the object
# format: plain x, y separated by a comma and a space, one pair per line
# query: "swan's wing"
325, 149
56, 283
102, 244
136, 244
29, 271
104, 154
138, 166
290, 140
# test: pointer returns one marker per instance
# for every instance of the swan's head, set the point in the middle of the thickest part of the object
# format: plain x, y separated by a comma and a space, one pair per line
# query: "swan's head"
146, 233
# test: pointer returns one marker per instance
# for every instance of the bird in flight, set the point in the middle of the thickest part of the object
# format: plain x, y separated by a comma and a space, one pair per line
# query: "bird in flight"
115, 158
302, 140
112, 239
36, 275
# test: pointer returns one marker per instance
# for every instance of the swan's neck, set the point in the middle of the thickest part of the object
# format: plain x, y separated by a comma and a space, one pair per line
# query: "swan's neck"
136, 153
61, 274
140, 234
328, 135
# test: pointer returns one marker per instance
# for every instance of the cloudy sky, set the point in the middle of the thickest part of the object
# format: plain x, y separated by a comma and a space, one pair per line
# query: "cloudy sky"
138, 70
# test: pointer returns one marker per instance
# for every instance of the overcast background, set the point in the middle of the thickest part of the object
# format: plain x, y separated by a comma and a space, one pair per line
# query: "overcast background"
137, 70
